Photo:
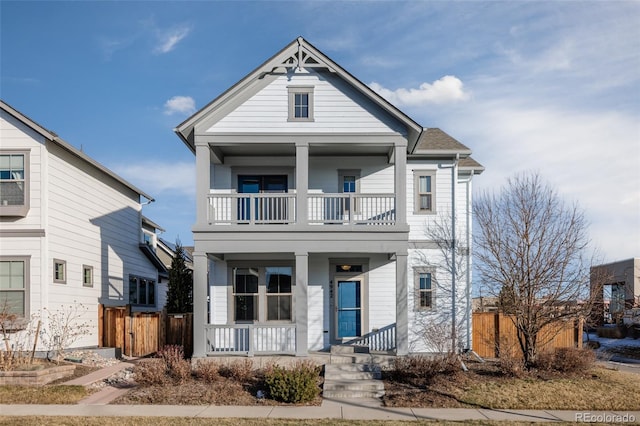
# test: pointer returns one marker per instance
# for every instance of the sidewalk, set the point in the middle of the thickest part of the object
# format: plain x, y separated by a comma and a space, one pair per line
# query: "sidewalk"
347, 410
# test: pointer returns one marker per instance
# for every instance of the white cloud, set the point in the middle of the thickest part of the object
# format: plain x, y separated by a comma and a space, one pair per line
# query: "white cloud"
180, 105
169, 39
448, 89
160, 177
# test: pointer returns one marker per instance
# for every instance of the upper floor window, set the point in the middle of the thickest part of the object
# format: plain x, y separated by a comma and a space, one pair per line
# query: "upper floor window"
300, 103
142, 291
14, 286
59, 271
425, 190
349, 183
14, 183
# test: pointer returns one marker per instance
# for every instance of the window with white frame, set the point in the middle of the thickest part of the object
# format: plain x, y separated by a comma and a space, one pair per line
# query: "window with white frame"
245, 294
87, 276
14, 183
300, 103
142, 291
14, 286
349, 181
279, 293
59, 271
425, 192
424, 287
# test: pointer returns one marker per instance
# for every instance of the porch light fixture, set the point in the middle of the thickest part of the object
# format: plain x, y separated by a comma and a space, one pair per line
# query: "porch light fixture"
345, 267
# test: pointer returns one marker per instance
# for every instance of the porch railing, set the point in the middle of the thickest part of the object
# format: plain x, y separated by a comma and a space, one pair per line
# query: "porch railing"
250, 339
352, 208
381, 340
271, 208
251, 208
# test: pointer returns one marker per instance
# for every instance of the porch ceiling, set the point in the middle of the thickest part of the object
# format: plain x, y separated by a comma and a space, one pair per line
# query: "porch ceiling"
289, 150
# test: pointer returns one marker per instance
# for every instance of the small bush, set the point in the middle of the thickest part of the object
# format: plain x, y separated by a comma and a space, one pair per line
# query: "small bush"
171, 354
510, 365
417, 367
151, 372
241, 371
207, 371
298, 384
566, 360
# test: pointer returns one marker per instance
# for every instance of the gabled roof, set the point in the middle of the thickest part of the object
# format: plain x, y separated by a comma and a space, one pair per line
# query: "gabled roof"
299, 53
51, 136
435, 141
470, 164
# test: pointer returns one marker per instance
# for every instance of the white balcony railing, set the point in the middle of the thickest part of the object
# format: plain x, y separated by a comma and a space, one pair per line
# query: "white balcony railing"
251, 208
250, 339
346, 208
352, 208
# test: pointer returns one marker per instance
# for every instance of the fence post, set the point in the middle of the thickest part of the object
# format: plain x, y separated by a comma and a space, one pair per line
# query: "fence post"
100, 325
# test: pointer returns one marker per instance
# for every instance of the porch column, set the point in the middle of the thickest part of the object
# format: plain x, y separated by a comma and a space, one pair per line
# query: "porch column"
400, 168
203, 181
402, 305
302, 182
301, 303
200, 283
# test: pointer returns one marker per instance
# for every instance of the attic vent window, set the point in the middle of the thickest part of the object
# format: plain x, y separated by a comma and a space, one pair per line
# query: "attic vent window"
300, 103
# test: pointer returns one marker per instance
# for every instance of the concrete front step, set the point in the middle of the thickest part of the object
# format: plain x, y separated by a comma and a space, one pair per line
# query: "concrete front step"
369, 385
352, 394
381, 360
352, 371
349, 349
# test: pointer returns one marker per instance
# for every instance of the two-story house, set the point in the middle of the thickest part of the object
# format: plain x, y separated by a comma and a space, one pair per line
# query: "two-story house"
70, 231
316, 202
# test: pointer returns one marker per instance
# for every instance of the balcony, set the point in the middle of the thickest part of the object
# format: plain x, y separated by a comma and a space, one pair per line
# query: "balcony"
280, 209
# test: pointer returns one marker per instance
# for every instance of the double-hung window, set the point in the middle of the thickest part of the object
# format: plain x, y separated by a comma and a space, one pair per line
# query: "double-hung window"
14, 273
278, 293
425, 192
300, 103
245, 294
59, 271
142, 291
87, 276
14, 183
424, 289
349, 181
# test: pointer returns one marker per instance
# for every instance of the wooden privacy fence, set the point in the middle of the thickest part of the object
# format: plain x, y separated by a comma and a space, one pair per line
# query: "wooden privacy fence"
494, 332
143, 333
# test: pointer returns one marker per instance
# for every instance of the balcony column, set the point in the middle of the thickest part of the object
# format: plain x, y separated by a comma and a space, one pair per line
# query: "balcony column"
200, 283
400, 169
203, 182
302, 182
402, 305
301, 303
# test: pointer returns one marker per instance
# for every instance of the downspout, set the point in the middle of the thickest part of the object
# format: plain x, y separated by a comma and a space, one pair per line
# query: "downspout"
468, 274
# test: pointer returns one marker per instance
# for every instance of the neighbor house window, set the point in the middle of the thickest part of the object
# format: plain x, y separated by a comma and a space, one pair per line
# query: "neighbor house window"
424, 184
278, 293
14, 183
300, 103
14, 286
142, 291
245, 294
424, 289
59, 271
87, 276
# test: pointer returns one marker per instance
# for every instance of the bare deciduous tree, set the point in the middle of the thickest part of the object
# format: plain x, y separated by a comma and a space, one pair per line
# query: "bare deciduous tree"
531, 249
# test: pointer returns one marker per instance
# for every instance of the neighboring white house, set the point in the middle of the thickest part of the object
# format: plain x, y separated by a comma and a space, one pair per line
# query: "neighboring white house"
70, 230
324, 216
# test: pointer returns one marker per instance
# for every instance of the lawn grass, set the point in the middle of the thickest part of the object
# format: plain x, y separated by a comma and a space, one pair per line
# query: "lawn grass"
602, 390
56, 394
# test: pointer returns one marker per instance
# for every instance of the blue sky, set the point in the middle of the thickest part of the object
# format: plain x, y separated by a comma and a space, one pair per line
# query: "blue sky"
552, 87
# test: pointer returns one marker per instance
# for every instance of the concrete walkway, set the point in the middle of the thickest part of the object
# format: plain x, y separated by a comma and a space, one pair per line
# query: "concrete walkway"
329, 409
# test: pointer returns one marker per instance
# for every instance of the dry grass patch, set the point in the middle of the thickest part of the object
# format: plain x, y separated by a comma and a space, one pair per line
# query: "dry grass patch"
56, 394
485, 386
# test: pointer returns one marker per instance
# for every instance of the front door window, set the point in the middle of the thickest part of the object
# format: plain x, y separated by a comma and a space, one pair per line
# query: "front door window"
263, 209
349, 309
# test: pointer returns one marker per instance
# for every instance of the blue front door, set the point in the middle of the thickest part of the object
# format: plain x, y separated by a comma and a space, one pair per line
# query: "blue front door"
349, 309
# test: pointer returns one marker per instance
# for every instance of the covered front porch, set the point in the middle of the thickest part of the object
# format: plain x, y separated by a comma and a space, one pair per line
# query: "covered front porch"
297, 303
